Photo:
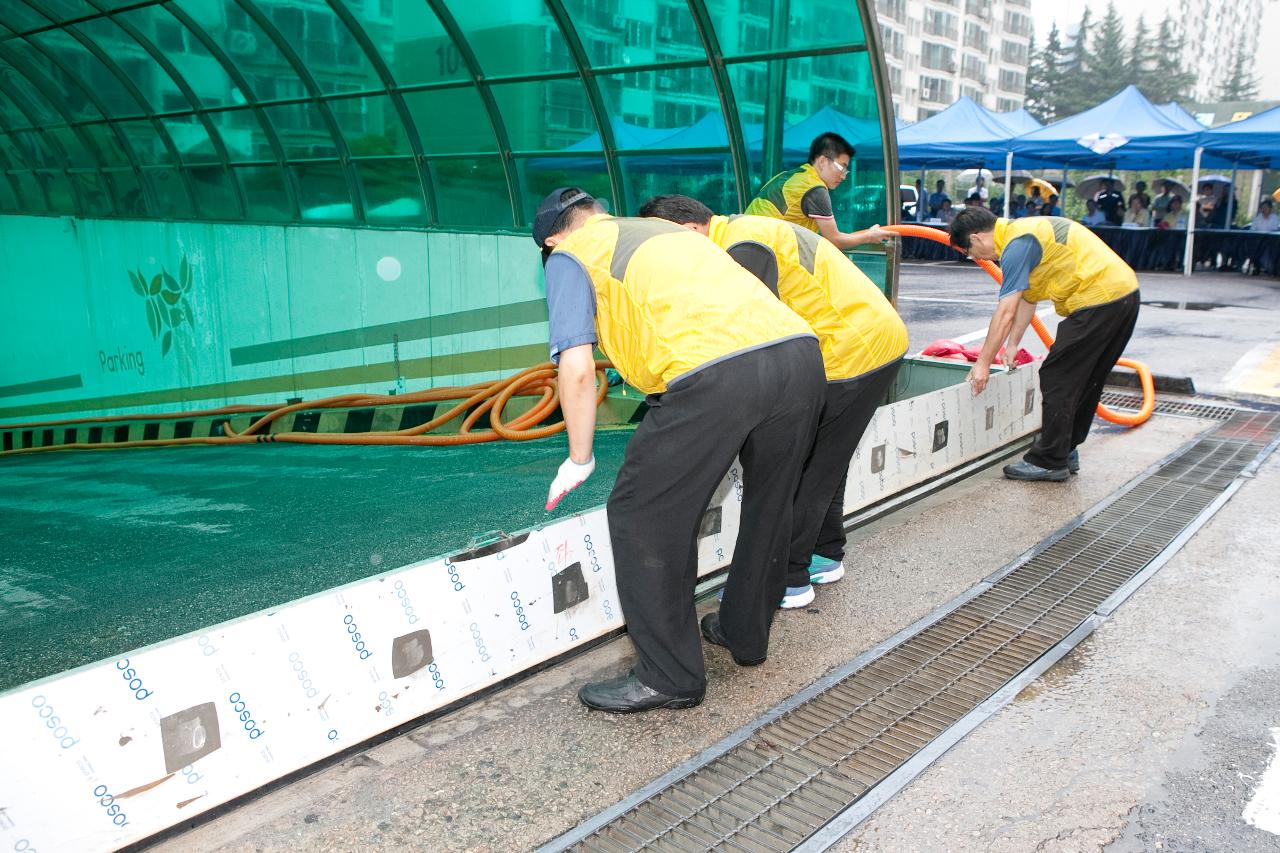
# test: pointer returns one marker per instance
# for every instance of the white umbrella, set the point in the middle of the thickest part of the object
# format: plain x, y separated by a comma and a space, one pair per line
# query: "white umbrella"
1016, 175
1176, 187
1093, 184
970, 176
1214, 179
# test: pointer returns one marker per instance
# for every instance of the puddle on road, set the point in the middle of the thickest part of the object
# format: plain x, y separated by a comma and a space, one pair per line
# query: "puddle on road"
1188, 306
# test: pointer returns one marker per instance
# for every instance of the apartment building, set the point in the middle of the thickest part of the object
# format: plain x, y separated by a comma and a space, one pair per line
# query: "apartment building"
939, 50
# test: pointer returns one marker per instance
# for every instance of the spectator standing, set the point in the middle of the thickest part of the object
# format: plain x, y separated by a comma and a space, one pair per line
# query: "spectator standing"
980, 187
1137, 214
1094, 216
1266, 219
937, 197
1052, 208
1160, 206
1140, 191
1111, 203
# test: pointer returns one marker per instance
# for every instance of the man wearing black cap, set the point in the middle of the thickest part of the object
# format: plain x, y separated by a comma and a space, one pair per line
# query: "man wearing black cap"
730, 371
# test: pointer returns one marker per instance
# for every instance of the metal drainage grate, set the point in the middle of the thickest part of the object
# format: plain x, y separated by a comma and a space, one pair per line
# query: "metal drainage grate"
1165, 406
772, 787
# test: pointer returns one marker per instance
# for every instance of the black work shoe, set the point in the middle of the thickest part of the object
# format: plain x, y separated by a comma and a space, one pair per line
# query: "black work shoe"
715, 634
1027, 471
626, 695
1073, 462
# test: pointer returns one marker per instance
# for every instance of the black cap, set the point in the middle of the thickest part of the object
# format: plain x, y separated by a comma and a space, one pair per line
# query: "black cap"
551, 208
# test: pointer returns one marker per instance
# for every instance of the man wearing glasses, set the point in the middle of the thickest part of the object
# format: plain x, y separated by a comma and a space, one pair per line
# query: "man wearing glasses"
803, 195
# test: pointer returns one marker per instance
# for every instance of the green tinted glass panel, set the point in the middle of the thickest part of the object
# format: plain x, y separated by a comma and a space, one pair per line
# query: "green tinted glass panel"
62, 198
36, 108
821, 23
8, 199
90, 71
547, 115
706, 177
65, 10
215, 194
265, 193
410, 40
451, 121
322, 192
191, 139
255, 55
759, 113
10, 115
95, 197
371, 126
15, 154
516, 37
170, 195
62, 89
147, 76
392, 192
31, 192
78, 156
206, 76
107, 144
19, 17
681, 100
38, 149
540, 175
243, 135
471, 193
324, 45
147, 145
128, 194
302, 130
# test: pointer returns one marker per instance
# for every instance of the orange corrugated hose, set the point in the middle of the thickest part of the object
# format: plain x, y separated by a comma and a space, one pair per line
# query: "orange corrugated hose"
491, 397
1144, 373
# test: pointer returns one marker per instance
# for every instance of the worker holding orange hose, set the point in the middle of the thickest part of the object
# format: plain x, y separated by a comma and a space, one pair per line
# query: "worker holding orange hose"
1049, 257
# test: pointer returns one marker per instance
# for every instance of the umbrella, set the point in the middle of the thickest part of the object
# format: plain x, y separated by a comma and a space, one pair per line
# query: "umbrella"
1176, 187
1092, 185
1046, 189
1276, 194
1016, 174
1214, 179
970, 176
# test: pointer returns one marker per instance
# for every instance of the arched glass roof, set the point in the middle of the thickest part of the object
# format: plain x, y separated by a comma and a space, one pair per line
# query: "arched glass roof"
425, 113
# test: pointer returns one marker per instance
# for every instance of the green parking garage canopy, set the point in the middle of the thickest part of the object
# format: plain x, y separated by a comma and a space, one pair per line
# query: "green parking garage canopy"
422, 113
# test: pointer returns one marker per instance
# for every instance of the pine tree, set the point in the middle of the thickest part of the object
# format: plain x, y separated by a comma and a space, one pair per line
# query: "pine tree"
1044, 78
1241, 85
1074, 95
1139, 65
1170, 79
1108, 68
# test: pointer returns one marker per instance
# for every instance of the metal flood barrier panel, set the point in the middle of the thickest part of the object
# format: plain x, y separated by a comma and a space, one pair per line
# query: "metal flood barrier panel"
776, 788
119, 750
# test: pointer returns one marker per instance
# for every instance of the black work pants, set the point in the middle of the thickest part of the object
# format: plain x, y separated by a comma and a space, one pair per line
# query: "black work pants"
761, 406
1089, 343
817, 525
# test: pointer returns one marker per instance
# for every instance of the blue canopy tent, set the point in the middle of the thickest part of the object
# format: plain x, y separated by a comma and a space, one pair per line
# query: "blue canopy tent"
1252, 143
964, 135
859, 132
1019, 121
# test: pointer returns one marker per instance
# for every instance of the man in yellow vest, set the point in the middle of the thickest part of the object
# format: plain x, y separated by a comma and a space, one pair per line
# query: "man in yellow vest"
1048, 257
862, 339
730, 371
803, 195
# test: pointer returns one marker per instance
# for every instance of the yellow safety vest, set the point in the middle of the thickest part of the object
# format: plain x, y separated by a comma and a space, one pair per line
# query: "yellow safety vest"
780, 198
856, 325
1076, 270
668, 301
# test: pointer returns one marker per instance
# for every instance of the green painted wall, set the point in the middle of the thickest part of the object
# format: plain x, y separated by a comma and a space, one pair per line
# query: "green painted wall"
265, 313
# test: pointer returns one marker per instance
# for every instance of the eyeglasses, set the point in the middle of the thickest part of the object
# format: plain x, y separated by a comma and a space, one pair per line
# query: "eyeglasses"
840, 168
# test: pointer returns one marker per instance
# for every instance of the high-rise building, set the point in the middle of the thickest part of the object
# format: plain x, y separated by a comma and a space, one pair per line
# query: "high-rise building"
939, 50
1215, 32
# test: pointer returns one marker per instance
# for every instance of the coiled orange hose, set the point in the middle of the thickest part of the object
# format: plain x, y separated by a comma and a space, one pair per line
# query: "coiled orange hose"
491, 397
1144, 372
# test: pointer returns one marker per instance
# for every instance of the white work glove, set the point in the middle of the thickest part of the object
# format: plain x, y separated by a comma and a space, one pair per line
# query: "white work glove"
569, 477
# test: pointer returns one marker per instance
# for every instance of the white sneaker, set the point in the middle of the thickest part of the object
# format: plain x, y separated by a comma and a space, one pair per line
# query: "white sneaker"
797, 596
824, 570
